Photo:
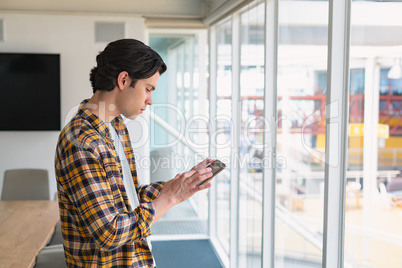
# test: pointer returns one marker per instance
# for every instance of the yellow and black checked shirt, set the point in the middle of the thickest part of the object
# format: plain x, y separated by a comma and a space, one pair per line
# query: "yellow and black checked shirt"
99, 226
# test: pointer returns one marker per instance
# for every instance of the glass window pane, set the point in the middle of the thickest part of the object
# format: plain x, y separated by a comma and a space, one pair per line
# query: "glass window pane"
373, 236
224, 125
302, 84
177, 101
251, 136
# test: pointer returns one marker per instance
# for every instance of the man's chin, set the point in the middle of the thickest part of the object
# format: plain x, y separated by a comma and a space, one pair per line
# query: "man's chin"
132, 117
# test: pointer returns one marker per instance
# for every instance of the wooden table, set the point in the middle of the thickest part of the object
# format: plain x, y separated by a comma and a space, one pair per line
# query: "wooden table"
25, 228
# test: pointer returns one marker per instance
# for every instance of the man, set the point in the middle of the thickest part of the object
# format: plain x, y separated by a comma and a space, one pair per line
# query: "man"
105, 213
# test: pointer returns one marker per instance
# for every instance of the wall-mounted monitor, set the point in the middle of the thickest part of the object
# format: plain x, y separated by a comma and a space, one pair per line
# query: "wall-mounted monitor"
29, 91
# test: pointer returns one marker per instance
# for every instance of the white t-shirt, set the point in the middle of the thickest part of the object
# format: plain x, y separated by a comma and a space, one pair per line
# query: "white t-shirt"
127, 177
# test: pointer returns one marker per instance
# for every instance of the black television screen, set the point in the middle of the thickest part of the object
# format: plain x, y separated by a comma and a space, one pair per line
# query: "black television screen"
30, 91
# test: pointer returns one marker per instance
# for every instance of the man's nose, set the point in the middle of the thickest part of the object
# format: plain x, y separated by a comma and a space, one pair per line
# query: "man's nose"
149, 101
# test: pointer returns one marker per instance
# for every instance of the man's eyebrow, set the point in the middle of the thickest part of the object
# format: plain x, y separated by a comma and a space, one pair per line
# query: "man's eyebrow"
152, 86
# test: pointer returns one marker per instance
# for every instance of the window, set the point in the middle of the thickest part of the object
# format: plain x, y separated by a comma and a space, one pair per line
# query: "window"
251, 135
368, 171
179, 126
224, 124
375, 143
302, 61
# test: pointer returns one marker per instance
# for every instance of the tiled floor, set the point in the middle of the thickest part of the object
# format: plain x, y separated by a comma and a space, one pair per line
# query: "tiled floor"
181, 220
185, 253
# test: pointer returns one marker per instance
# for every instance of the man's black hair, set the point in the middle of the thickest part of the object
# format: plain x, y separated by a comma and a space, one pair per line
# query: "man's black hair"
130, 55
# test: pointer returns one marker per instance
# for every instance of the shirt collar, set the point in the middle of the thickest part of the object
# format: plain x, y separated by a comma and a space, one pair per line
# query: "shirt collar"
94, 120
99, 124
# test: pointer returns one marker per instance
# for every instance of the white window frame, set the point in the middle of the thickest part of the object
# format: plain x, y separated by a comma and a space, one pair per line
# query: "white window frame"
270, 113
337, 117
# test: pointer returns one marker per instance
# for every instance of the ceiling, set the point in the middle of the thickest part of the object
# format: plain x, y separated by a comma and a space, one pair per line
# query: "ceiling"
194, 9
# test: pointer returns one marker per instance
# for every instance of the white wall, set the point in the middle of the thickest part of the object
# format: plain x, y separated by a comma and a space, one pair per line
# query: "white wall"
73, 37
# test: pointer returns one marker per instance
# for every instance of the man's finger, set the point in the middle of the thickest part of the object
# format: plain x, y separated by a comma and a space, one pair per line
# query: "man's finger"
201, 177
203, 171
204, 186
209, 160
189, 173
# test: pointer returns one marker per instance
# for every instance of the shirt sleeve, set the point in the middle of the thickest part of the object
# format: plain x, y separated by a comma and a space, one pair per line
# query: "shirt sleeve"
91, 195
147, 193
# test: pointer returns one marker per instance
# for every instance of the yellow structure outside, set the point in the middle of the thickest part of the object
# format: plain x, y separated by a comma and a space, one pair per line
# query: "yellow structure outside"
389, 154
358, 130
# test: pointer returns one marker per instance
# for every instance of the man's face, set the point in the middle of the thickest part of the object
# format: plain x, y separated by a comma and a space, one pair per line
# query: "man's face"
134, 100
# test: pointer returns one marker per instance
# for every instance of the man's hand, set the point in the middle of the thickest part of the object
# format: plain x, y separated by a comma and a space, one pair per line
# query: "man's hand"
182, 187
203, 164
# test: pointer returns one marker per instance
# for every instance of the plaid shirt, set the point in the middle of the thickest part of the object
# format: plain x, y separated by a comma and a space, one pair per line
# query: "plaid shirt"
100, 228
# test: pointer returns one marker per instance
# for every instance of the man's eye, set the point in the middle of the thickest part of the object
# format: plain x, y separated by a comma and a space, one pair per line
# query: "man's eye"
148, 90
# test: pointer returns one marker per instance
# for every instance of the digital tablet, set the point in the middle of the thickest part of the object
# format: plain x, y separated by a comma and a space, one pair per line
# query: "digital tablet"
217, 166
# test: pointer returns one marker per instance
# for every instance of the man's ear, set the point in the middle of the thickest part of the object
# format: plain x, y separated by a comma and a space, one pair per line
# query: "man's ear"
123, 80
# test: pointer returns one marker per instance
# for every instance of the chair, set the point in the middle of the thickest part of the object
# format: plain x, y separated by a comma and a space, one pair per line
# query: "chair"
26, 184
50, 257
57, 237
385, 197
159, 170
353, 189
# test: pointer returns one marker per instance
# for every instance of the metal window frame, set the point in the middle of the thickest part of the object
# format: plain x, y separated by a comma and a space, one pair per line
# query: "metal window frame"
236, 113
270, 113
370, 144
212, 116
337, 112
